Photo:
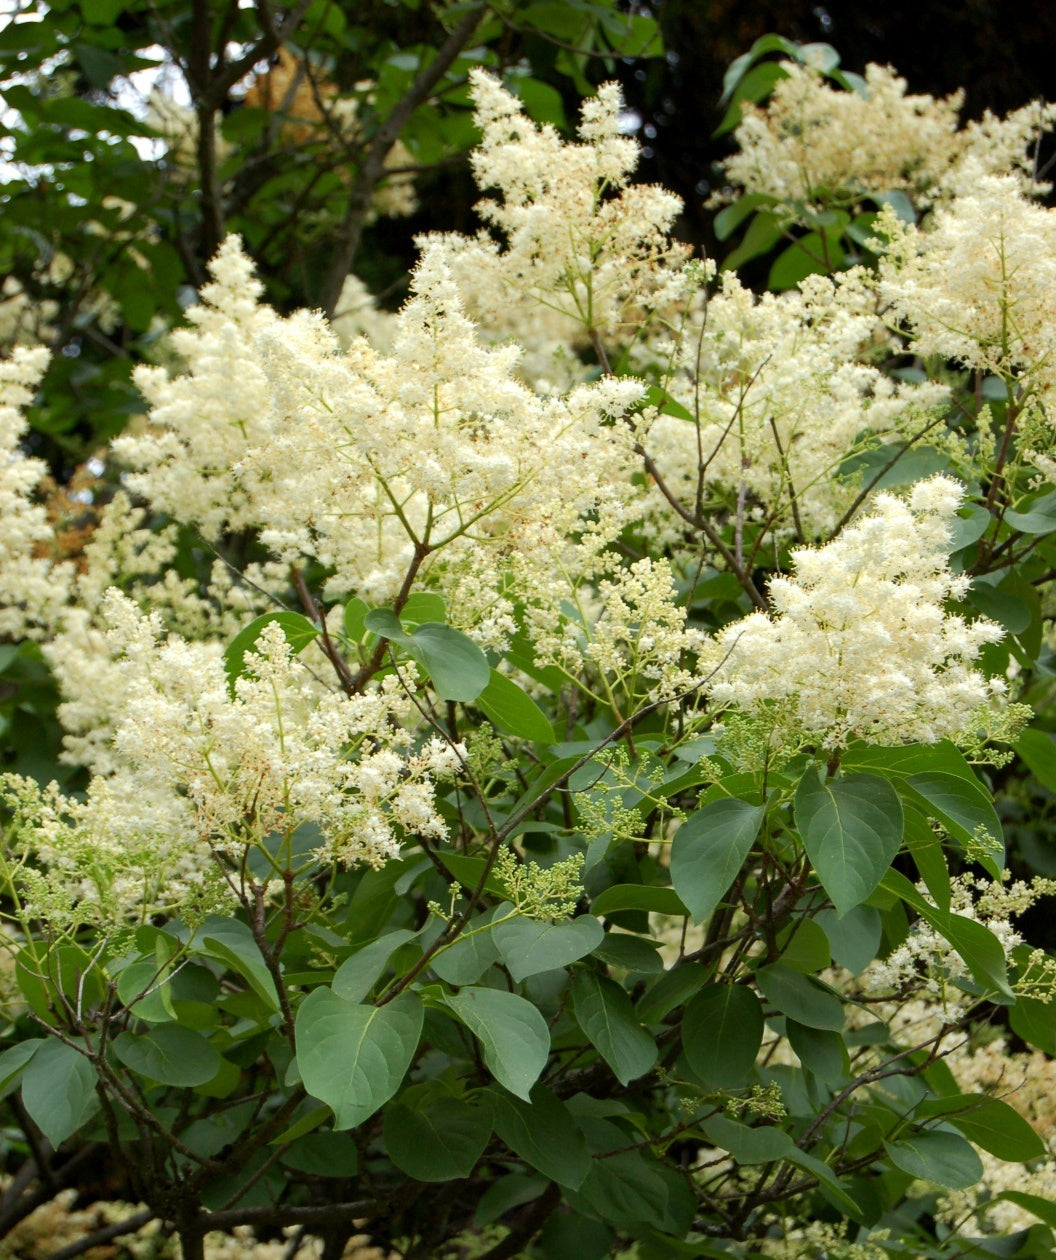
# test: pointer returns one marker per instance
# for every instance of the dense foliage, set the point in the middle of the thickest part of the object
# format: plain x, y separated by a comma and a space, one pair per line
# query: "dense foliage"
557, 770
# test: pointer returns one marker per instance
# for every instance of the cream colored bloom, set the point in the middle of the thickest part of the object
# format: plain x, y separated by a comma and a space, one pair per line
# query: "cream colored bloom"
780, 393
32, 589
813, 143
859, 645
574, 245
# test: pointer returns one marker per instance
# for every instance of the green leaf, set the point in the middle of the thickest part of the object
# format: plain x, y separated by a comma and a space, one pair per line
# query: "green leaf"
803, 946
1034, 1021
468, 871
299, 632
1038, 750
101, 12
543, 1132
1038, 517
528, 948
896, 199
604, 1012
730, 218
968, 526
763, 233
355, 618
58, 1090
925, 847
170, 1055
943, 1158
765, 1144
989, 1123
820, 1050
13, 1060
964, 808
231, 942
813, 254
663, 402
1043, 1209
669, 991
628, 952
512, 709
437, 1140
888, 467
512, 1034
852, 830
638, 897
753, 85
709, 850
323, 1154
908, 759
800, 997
357, 975
422, 606
354, 1057
722, 1030
466, 959
146, 977
737, 68
458, 669
543, 102
855, 938
627, 1189
760, 1145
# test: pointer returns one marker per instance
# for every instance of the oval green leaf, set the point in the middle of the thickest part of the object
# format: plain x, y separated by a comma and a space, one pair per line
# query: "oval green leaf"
851, 829
170, 1055
722, 1030
946, 1159
513, 710
437, 1141
709, 849
512, 1034
604, 1012
457, 668
354, 1057
800, 997
58, 1090
528, 947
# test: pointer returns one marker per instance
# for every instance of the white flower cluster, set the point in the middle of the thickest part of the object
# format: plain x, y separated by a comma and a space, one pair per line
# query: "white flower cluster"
201, 769
576, 246
434, 457
815, 143
281, 751
859, 645
780, 393
633, 635
125, 552
977, 285
31, 587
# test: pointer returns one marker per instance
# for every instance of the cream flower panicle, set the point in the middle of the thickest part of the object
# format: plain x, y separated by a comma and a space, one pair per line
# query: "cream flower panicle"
32, 588
591, 251
977, 284
202, 768
859, 645
814, 143
434, 454
780, 393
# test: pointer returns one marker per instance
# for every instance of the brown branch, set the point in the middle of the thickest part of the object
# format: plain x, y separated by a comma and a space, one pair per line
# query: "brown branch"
315, 613
209, 83
107, 1234
526, 1229
372, 169
360, 680
866, 490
